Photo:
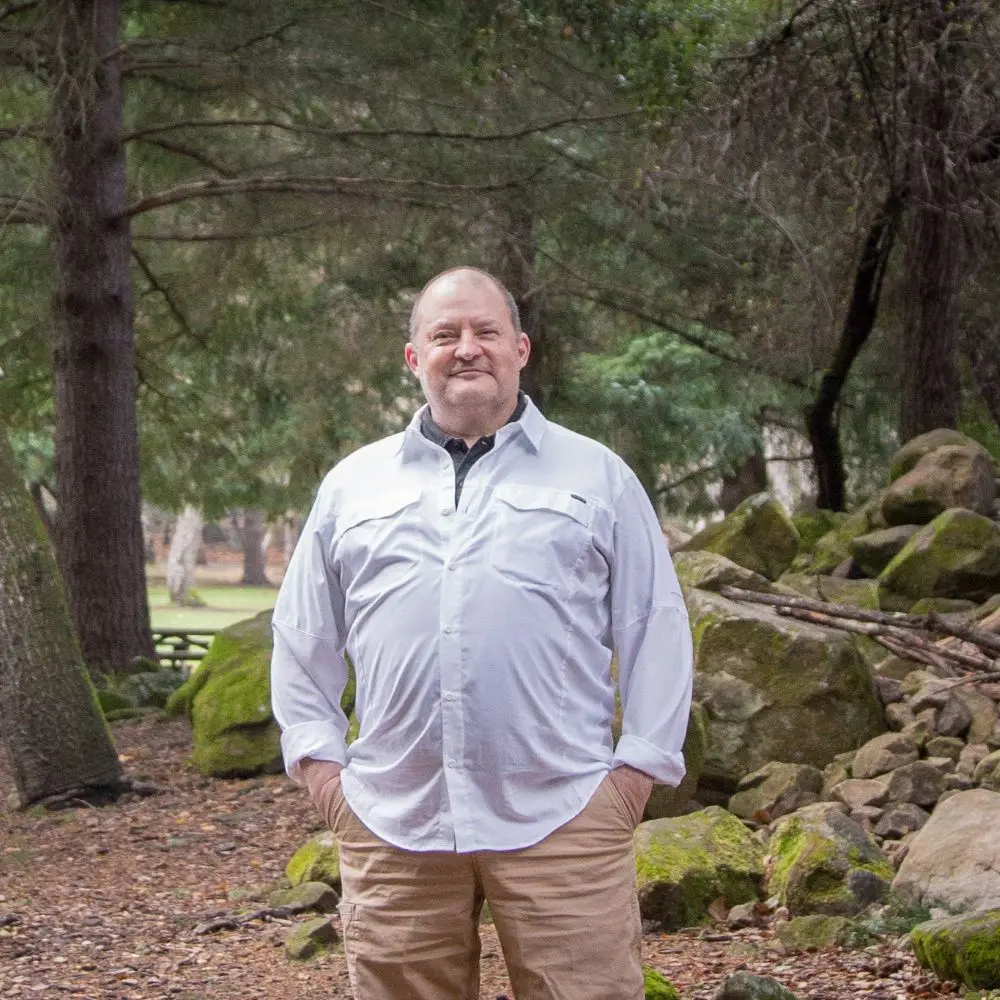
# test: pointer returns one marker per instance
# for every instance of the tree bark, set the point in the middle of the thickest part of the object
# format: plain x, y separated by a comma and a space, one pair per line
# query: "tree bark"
183, 555
50, 721
821, 416
511, 251
935, 242
251, 528
99, 528
981, 346
749, 478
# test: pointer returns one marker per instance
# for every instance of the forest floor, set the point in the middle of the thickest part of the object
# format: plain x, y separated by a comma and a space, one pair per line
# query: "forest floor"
103, 903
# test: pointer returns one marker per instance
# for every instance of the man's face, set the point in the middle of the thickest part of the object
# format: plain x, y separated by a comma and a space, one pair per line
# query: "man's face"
465, 350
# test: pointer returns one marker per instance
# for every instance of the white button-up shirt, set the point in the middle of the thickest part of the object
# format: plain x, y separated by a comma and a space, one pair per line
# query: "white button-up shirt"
481, 636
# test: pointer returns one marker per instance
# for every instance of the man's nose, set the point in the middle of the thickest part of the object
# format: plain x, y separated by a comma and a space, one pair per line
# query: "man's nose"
468, 345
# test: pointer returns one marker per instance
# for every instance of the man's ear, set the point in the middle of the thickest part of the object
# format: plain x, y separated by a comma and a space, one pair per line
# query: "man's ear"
523, 350
412, 361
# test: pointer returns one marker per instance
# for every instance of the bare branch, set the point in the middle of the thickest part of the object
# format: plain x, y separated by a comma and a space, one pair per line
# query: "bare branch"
192, 154
16, 8
370, 187
168, 298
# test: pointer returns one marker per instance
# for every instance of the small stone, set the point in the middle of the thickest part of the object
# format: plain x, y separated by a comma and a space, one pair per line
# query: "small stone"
866, 816
958, 783
945, 765
883, 754
898, 715
310, 937
918, 782
890, 690
744, 986
969, 758
954, 718
933, 694
316, 896
859, 792
895, 851
987, 773
945, 746
922, 728
899, 820
743, 915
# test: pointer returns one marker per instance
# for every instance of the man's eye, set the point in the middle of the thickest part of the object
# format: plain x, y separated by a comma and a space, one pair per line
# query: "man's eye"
488, 332
441, 335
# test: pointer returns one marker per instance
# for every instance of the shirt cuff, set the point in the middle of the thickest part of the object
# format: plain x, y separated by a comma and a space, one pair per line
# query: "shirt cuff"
663, 766
319, 740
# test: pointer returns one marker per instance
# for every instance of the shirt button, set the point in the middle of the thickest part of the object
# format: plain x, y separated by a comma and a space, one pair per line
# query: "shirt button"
449, 696
453, 763
447, 511
448, 629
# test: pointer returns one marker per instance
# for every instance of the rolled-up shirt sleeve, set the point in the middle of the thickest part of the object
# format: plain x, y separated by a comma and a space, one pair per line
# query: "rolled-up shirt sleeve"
652, 638
308, 669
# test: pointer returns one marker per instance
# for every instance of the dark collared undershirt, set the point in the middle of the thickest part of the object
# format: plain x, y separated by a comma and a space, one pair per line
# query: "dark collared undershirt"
462, 455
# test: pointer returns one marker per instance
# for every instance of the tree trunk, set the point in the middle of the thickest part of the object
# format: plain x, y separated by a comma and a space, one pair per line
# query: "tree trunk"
99, 528
935, 244
748, 478
50, 722
821, 416
981, 346
183, 555
511, 251
251, 528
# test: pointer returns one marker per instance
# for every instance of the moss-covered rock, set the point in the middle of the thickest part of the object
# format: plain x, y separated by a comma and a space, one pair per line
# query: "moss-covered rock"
834, 589
711, 571
310, 937
775, 688
874, 551
823, 862
949, 476
228, 699
317, 860
833, 547
775, 790
819, 931
656, 986
759, 535
666, 801
746, 986
684, 863
956, 555
814, 525
317, 896
915, 449
963, 949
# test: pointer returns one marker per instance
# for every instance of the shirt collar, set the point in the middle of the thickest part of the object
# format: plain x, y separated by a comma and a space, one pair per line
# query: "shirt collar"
530, 423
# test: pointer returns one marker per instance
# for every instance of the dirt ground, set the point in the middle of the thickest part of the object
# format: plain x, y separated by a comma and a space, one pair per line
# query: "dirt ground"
103, 903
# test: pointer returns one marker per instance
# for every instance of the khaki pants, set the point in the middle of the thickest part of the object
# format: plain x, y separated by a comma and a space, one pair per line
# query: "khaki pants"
565, 911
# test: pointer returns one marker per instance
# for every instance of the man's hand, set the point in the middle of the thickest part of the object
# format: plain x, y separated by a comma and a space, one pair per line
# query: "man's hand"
634, 787
322, 778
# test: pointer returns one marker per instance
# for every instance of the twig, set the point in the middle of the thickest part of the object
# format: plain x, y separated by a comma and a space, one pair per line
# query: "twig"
233, 921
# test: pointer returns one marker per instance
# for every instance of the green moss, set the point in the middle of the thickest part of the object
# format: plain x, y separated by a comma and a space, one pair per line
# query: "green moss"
819, 931
656, 986
317, 860
683, 863
812, 527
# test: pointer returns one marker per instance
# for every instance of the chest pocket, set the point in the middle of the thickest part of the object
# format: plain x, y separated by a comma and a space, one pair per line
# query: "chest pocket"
378, 540
540, 535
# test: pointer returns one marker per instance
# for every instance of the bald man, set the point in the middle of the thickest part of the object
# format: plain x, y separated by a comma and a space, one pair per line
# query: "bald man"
479, 570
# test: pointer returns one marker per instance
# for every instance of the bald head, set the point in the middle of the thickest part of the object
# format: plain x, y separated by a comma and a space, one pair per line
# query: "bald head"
472, 273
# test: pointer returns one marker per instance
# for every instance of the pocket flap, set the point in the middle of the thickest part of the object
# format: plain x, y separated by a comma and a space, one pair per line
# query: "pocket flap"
529, 498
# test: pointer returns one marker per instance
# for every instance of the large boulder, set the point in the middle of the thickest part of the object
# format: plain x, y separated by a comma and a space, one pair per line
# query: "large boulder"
833, 589
711, 571
824, 862
228, 699
874, 551
962, 949
915, 449
956, 555
950, 476
953, 861
667, 801
686, 862
775, 688
775, 790
758, 535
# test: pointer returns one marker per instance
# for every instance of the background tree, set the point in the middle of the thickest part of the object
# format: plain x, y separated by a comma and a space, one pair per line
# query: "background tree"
50, 722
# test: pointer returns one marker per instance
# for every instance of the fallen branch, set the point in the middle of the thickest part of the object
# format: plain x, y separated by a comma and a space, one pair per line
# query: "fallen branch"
232, 921
899, 633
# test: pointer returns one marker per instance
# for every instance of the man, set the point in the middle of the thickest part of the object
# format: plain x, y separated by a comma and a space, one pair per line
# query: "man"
478, 570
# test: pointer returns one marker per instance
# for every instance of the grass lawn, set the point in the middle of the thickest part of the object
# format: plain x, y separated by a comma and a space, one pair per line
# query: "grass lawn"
223, 606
